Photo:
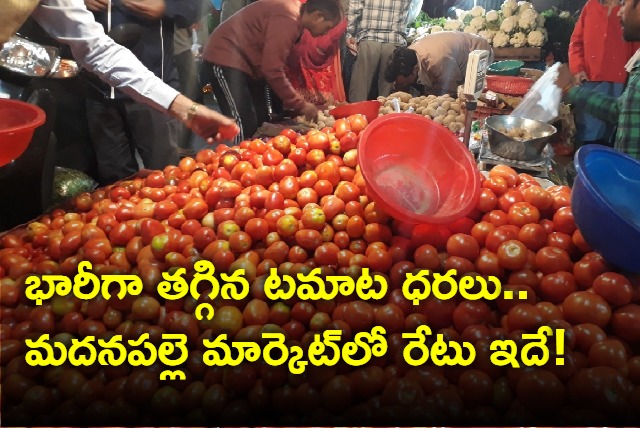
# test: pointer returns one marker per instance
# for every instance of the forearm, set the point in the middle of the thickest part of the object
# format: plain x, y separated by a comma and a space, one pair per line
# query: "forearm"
72, 24
600, 105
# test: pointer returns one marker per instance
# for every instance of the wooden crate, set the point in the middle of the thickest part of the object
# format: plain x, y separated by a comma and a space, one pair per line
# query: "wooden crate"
523, 54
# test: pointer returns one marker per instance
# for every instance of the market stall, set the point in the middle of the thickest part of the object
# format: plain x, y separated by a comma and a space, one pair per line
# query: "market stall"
367, 268
299, 205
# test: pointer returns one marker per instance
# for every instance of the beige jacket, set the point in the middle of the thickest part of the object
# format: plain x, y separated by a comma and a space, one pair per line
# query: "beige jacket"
442, 59
14, 14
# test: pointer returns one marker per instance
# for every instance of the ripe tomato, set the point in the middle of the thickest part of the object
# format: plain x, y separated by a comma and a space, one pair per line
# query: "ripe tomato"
580, 243
563, 221
587, 269
426, 257
341, 127
281, 143
358, 122
555, 287
553, 259
463, 245
521, 213
585, 307
615, 288
509, 174
496, 217
538, 197
487, 200
481, 230
498, 236
533, 236
512, 254
318, 141
507, 199
497, 184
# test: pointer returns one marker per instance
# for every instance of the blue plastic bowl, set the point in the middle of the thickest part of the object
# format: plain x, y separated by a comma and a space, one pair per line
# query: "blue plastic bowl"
606, 204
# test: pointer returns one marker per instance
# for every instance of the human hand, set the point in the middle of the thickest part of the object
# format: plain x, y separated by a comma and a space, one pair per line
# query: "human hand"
352, 46
150, 9
96, 5
207, 123
565, 79
580, 77
310, 112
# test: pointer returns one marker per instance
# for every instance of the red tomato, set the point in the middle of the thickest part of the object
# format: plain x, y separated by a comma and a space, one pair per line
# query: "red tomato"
463, 245
487, 200
507, 199
498, 236
533, 236
555, 287
615, 288
521, 213
587, 269
512, 255
553, 259
506, 172
358, 122
498, 185
563, 221
481, 230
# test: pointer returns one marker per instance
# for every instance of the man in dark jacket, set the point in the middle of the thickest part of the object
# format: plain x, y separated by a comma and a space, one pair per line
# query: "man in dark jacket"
118, 125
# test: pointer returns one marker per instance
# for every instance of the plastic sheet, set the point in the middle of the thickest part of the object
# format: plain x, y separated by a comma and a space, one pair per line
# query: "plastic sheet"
543, 100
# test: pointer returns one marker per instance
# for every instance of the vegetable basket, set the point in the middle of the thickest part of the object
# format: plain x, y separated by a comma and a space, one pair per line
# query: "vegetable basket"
509, 85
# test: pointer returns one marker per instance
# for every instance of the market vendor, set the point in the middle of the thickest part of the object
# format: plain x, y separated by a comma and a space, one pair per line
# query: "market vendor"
622, 111
250, 50
435, 64
71, 23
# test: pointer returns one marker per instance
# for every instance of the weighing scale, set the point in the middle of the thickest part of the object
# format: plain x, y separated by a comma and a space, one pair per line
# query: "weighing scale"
538, 167
473, 86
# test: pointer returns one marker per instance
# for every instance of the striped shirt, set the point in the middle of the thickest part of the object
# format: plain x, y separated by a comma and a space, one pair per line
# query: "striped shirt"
383, 21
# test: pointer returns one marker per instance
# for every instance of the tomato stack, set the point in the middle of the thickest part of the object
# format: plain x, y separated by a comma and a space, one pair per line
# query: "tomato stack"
297, 202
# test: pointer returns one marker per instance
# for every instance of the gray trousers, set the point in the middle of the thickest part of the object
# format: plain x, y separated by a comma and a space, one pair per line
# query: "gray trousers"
119, 129
370, 63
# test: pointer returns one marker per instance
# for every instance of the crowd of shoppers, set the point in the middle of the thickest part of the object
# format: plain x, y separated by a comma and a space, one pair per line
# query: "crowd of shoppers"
296, 50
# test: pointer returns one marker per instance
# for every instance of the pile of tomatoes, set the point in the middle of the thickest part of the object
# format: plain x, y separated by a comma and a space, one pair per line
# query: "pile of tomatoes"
297, 202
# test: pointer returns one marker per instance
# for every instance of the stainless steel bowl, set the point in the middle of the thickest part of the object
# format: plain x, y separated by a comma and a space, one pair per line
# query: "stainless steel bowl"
510, 148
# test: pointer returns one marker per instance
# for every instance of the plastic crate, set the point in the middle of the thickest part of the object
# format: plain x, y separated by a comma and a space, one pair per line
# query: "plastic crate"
509, 85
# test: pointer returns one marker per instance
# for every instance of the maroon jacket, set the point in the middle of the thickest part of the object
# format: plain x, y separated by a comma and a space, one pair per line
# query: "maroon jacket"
257, 40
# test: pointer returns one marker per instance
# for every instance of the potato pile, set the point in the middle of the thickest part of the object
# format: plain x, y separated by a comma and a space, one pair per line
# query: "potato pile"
324, 119
444, 109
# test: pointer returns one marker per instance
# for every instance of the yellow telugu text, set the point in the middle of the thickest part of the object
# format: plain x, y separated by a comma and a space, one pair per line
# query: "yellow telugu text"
327, 349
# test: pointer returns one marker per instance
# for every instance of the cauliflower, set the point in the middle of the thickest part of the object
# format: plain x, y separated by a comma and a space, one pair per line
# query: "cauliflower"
518, 40
565, 14
535, 38
422, 31
470, 29
500, 39
509, 24
453, 25
461, 14
487, 34
524, 5
477, 11
492, 16
436, 29
509, 8
478, 22
528, 19
540, 21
